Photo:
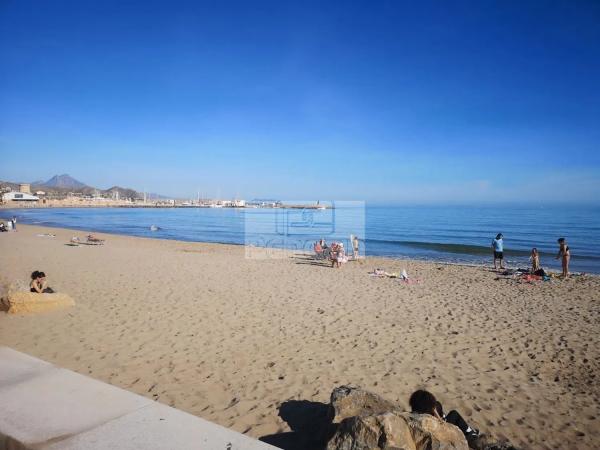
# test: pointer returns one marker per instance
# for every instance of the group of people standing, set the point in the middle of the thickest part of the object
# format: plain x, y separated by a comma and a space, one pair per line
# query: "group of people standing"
336, 252
564, 254
13, 224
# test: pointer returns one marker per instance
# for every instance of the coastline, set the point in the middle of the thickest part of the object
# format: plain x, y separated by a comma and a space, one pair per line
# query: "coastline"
514, 258
200, 327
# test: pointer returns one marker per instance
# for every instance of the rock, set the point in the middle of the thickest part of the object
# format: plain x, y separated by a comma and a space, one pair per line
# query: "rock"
485, 442
397, 431
430, 433
370, 422
350, 401
382, 431
32, 302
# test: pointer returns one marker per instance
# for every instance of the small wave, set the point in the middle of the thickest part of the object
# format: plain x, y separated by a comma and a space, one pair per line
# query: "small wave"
466, 249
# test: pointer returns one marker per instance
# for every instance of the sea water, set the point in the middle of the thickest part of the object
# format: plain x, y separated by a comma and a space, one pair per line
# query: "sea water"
439, 233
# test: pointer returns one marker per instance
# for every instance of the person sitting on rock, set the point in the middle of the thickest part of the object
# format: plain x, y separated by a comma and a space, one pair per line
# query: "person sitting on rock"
424, 402
39, 283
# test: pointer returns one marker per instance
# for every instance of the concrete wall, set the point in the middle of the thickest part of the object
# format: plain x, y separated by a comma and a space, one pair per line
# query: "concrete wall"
44, 407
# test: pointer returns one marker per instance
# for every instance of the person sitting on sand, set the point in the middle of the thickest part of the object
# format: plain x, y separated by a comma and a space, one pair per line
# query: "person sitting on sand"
535, 260
498, 247
2, 227
39, 283
424, 402
565, 254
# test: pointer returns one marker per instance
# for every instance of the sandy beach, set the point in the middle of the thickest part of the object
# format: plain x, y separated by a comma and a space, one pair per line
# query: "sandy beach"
202, 328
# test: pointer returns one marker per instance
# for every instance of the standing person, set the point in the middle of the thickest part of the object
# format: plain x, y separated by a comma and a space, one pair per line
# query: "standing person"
14, 223
355, 248
498, 247
535, 260
565, 254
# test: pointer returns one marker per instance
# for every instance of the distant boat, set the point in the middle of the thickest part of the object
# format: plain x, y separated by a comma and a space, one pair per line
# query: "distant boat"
154, 228
213, 205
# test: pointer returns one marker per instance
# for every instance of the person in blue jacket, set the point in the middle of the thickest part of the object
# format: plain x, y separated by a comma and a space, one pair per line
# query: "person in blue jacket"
498, 248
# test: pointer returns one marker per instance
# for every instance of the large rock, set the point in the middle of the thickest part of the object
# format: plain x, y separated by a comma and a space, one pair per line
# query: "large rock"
397, 431
32, 302
380, 431
350, 401
431, 433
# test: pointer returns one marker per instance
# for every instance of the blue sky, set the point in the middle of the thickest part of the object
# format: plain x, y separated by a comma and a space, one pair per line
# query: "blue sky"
444, 101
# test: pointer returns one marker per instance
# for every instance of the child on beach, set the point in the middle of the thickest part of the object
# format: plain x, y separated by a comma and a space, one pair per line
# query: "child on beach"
565, 254
535, 260
39, 283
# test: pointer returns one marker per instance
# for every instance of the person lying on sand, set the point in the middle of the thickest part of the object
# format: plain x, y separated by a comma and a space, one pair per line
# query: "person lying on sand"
39, 283
92, 238
424, 402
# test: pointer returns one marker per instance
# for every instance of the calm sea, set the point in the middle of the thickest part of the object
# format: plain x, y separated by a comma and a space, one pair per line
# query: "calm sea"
450, 234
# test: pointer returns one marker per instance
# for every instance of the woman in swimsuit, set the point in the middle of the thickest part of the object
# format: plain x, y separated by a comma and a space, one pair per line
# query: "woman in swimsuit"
565, 254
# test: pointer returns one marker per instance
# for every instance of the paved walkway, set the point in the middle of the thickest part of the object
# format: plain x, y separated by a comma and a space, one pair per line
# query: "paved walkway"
44, 407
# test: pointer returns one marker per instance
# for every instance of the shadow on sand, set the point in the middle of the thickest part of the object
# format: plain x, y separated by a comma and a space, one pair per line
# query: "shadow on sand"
310, 423
311, 260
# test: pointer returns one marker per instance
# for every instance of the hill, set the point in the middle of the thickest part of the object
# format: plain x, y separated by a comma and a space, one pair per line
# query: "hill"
64, 182
60, 186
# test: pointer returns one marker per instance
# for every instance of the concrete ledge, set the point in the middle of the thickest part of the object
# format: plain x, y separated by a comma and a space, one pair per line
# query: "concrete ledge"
15, 367
32, 302
44, 407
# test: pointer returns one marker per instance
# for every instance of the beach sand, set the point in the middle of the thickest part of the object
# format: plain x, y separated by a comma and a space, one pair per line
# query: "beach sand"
202, 328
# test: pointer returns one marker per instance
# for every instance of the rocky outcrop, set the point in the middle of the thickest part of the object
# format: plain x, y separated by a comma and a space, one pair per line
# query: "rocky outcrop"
32, 302
429, 432
397, 431
379, 431
367, 421
350, 401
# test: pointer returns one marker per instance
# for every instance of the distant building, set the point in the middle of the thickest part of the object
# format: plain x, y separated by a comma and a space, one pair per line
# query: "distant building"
25, 188
19, 197
40, 193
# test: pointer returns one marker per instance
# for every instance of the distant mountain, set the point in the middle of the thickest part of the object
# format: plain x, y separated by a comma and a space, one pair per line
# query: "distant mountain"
59, 186
123, 192
64, 182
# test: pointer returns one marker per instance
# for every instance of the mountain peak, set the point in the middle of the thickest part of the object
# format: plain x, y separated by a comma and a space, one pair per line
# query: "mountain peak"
64, 181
